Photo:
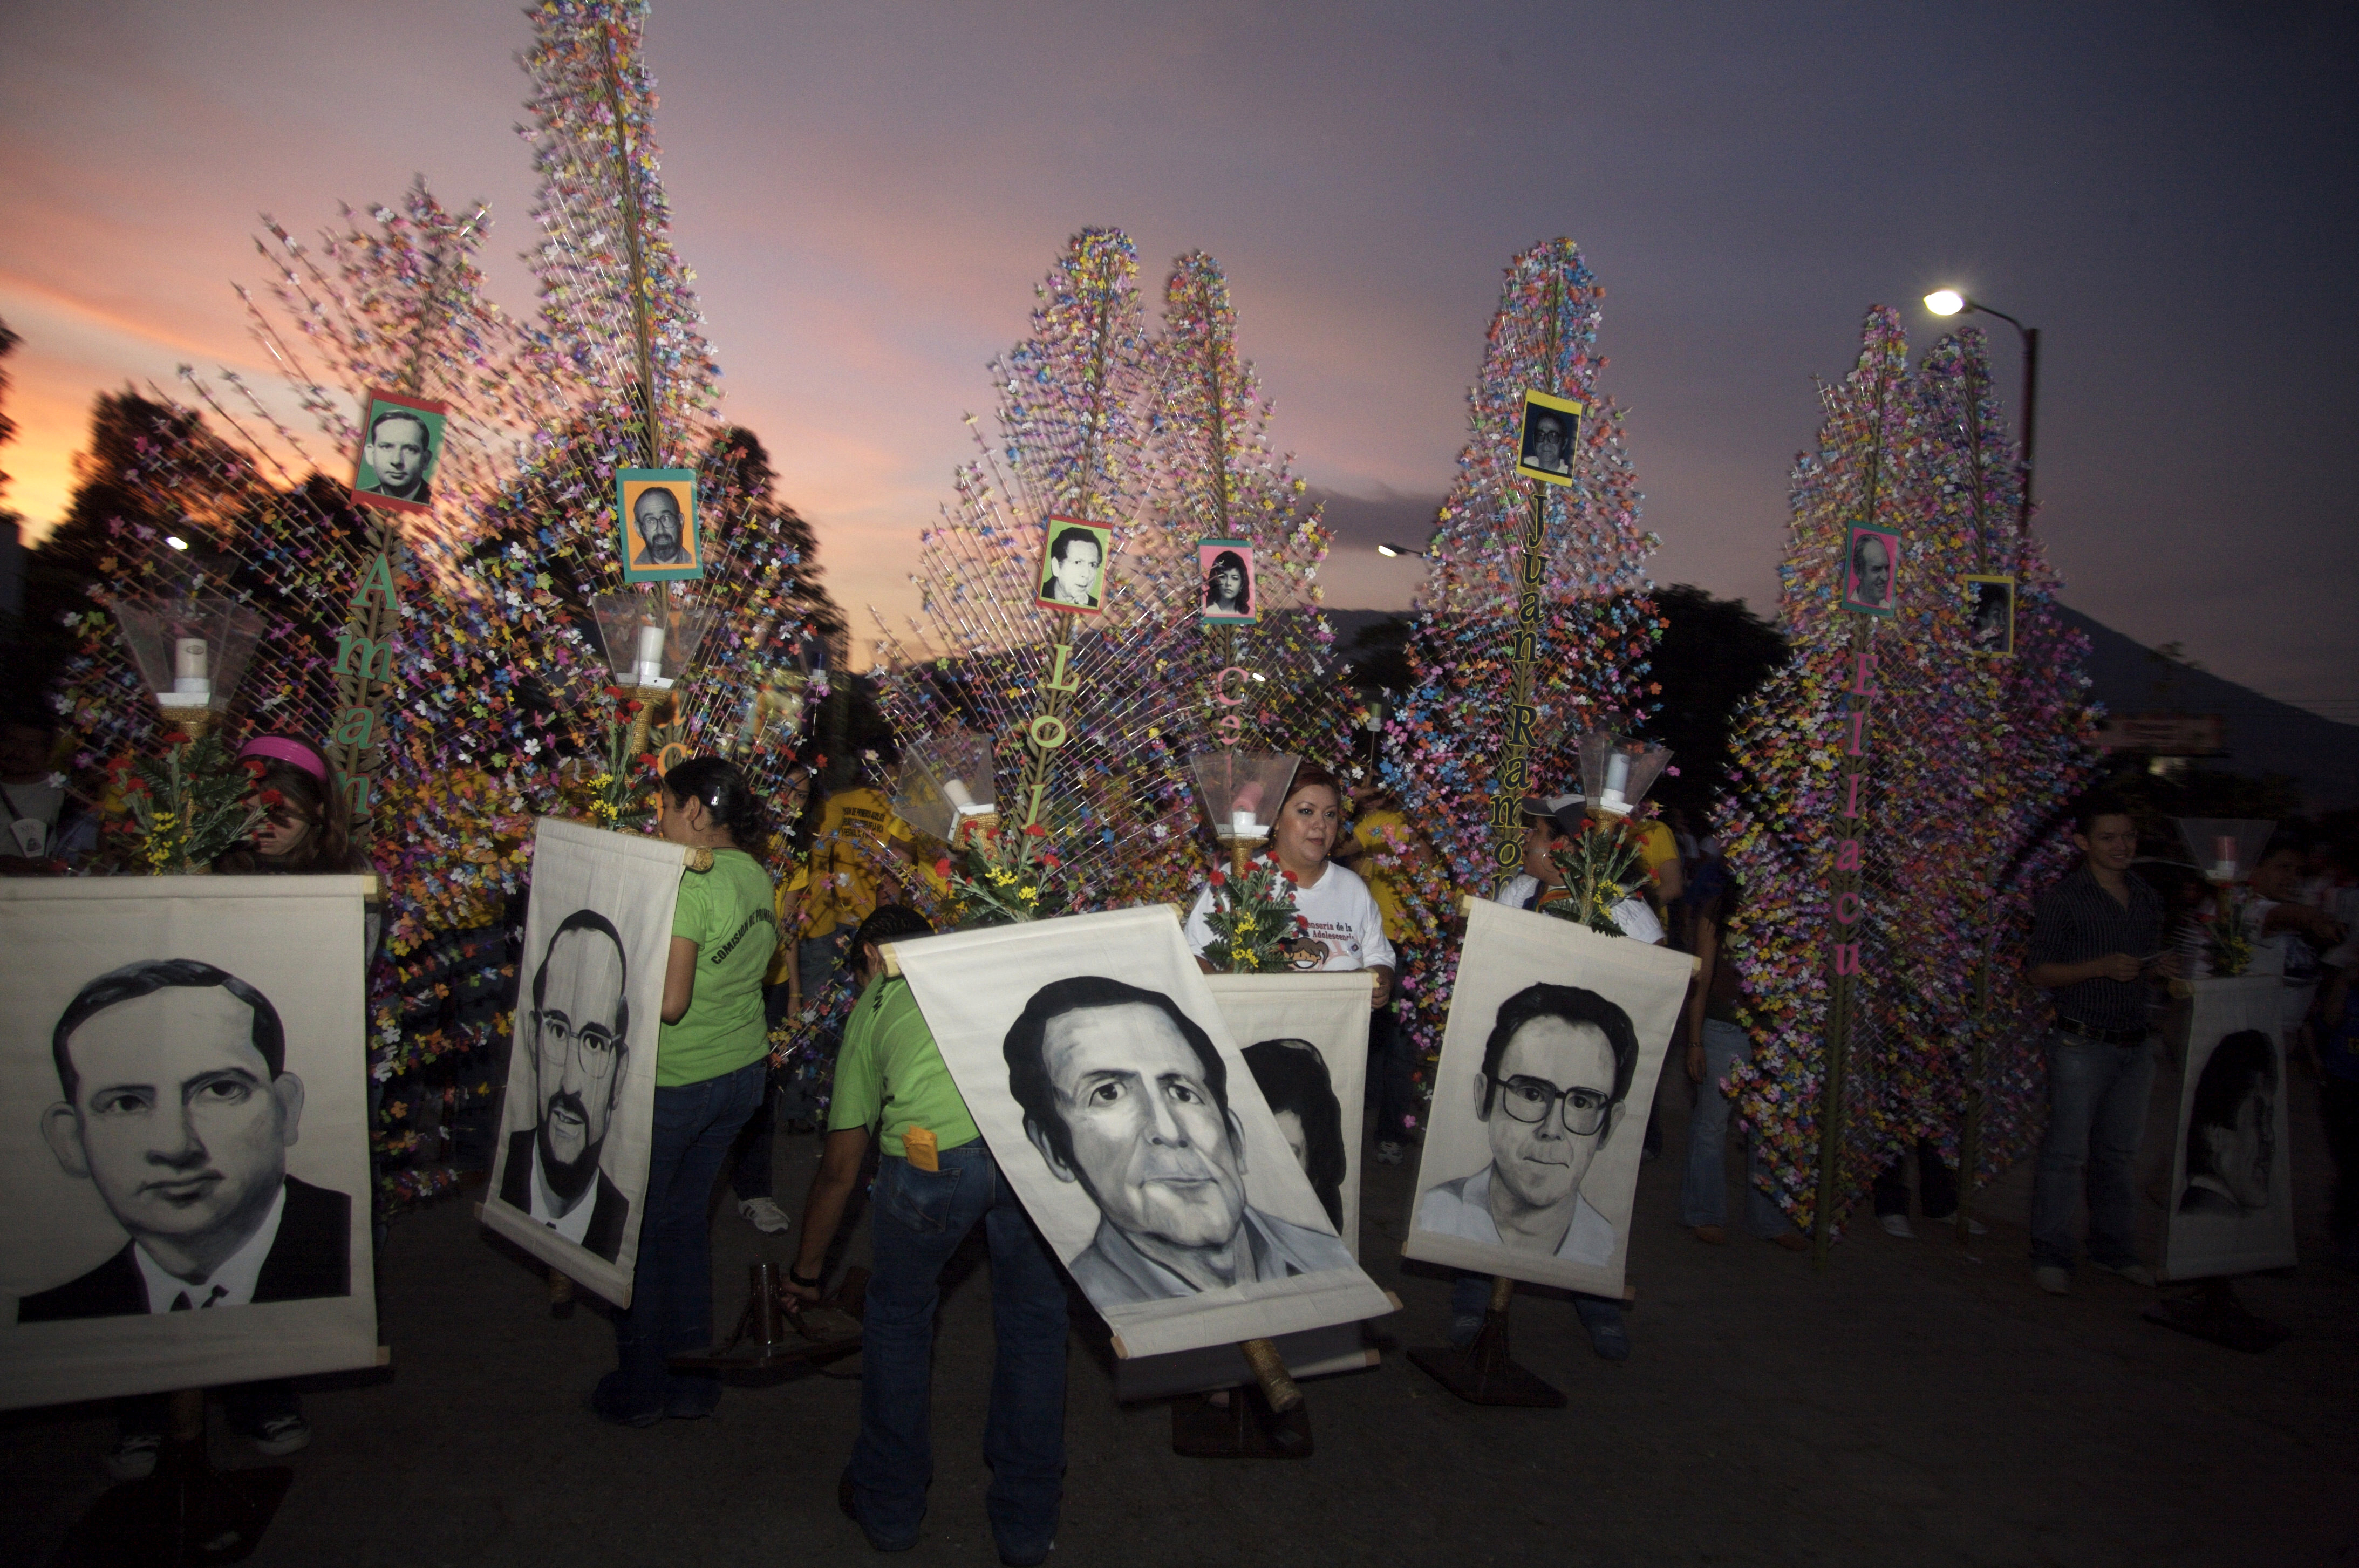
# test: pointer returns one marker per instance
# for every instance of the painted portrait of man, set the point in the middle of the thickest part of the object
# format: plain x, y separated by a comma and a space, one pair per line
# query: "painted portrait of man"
579, 1029
1557, 1068
179, 1109
1124, 1095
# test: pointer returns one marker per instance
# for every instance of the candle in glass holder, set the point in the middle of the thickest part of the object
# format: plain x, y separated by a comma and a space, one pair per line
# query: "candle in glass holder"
1617, 776
1244, 808
959, 796
190, 672
2223, 858
649, 662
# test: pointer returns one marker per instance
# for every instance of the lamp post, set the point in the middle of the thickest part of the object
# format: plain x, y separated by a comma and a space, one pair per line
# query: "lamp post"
1950, 302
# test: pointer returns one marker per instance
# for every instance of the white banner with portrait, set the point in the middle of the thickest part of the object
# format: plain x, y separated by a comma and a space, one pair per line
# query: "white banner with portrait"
2231, 1209
183, 1134
1112, 1092
1305, 1038
1556, 1036
570, 1169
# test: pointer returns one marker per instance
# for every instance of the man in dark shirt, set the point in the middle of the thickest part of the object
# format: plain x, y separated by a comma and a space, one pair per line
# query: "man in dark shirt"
2096, 950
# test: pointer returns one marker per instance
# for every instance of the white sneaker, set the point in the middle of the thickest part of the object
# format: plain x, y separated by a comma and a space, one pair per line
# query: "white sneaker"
282, 1435
2054, 1280
1896, 1225
765, 1216
2136, 1273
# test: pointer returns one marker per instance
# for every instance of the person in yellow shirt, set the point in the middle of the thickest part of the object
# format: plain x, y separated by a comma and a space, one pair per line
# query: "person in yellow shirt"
858, 854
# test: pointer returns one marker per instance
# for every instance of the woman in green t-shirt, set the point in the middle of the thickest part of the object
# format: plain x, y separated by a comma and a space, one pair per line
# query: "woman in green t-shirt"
711, 1066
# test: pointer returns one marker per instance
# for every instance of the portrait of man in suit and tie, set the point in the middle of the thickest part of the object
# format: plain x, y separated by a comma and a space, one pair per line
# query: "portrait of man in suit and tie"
580, 1031
179, 1110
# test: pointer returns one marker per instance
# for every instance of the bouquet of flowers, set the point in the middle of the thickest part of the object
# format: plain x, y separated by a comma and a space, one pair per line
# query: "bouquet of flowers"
1601, 868
1255, 924
998, 878
182, 810
614, 796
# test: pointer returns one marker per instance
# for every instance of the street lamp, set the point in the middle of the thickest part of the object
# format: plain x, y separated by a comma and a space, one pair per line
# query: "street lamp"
1390, 551
1950, 302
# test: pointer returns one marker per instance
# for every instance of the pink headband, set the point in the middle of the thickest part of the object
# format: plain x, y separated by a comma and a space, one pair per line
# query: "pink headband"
281, 749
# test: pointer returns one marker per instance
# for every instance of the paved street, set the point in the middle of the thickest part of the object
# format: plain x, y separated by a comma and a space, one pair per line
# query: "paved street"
1911, 1404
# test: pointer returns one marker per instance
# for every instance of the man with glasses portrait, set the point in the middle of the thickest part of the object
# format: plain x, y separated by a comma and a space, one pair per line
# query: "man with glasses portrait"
1556, 1070
581, 1031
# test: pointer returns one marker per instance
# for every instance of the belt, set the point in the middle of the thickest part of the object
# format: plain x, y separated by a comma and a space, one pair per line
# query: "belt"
2102, 1036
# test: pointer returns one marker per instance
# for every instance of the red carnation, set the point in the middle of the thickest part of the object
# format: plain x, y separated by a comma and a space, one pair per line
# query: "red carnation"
1219, 878
1036, 830
1287, 875
176, 737
1050, 860
615, 692
271, 798
942, 866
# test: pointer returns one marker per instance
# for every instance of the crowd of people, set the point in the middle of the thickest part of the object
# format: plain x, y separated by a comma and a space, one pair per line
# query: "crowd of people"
749, 949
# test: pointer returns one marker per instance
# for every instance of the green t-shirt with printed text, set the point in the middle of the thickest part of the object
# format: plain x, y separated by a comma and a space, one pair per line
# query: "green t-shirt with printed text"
727, 912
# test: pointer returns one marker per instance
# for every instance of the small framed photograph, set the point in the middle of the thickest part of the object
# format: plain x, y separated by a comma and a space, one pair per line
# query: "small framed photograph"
1227, 568
655, 519
1990, 615
1871, 571
1551, 425
1074, 554
401, 442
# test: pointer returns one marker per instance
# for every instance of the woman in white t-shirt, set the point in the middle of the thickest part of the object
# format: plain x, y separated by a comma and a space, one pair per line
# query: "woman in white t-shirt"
1343, 919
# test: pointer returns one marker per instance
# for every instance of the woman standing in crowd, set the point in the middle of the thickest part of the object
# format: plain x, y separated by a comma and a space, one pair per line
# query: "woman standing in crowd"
712, 1064
1346, 930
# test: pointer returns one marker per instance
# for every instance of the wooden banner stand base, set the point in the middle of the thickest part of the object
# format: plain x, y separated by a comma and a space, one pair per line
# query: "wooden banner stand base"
187, 1513
2214, 1313
1261, 1419
778, 1333
1483, 1373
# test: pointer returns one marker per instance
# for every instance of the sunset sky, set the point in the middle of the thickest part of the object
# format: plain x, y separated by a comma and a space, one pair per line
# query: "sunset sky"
868, 194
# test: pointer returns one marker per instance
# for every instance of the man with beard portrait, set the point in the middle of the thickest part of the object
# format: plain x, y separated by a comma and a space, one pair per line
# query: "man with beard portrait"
581, 1023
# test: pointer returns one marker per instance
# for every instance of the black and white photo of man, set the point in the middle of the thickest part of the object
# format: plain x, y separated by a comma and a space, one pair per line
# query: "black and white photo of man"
1124, 1095
1545, 442
400, 452
2231, 1129
655, 514
1867, 583
1556, 1069
1549, 449
1076, 555
581, 1032
1989, 625
179, 1110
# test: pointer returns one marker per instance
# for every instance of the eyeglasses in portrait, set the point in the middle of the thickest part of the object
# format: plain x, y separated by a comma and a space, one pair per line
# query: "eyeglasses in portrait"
1548, 438
656, 524
1555, 1039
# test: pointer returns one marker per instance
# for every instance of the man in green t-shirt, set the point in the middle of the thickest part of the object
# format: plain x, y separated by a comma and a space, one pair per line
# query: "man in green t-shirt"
935, 1182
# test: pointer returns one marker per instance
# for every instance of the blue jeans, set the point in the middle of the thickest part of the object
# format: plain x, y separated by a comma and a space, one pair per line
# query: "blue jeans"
920, 1217
1703, 1191
1392, 1058
671, 1287
2096, 1118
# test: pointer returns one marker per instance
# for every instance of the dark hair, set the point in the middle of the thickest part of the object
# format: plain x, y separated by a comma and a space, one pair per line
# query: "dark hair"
1293, 1077
1025, 1048
1230, 559
1305, 776
589, 920
1574, 1005
147, 977
2240, 1063
665, 491
328, 847
425, 430
1066, 538
2097, 803
717, 783
887, 923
